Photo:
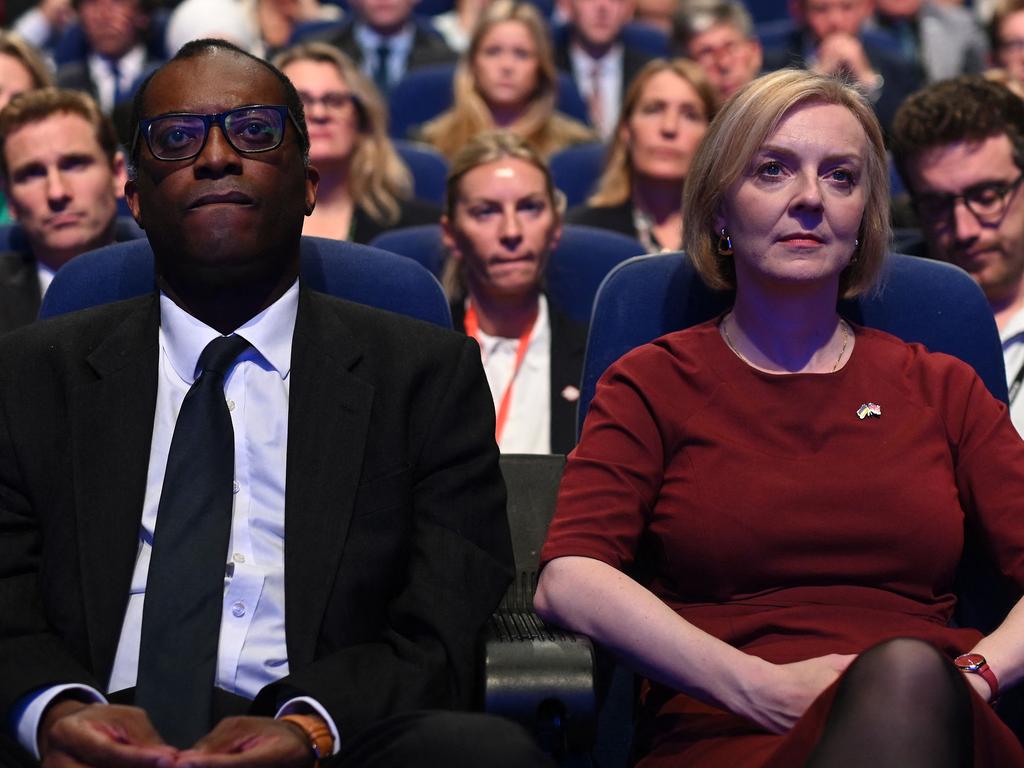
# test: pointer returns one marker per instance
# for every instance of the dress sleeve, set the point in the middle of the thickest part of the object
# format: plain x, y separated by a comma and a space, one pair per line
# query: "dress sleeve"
613, 477
989, 456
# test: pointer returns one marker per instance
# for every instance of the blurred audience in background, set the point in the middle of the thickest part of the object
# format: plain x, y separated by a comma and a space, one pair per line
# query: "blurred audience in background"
21, 69
640, 193
503, 218
1006, 37
63, 173
943, 40
507, 79
456, 26
222, 19
959, 145
364, 187
387, 41
590, 48
719, 35
828, 39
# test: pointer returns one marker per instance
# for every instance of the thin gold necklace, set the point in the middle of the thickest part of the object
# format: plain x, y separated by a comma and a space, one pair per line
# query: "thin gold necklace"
741, 356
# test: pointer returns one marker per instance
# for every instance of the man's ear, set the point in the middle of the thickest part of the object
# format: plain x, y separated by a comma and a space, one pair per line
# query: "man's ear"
312, 182
119, 173
131, 197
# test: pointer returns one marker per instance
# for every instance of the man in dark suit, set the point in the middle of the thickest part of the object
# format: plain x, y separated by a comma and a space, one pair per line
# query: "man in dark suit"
360, 463
62, 173
387, 41
591, 50
830, 39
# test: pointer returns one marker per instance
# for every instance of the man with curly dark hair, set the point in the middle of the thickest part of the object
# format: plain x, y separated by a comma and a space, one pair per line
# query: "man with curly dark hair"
959, 146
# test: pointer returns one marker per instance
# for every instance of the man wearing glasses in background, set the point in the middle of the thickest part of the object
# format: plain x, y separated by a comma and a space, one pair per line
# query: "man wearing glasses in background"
959, 146
167, 461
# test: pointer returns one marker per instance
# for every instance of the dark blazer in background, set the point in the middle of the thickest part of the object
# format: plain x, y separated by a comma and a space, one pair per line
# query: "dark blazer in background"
568, 344
19, 282
411, 213
900, 77
615, 218
396, 546
428, 47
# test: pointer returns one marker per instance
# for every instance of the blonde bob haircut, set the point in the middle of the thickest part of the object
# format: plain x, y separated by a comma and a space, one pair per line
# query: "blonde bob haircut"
482, 149
545, 129
735, 136
616, 183
378, 179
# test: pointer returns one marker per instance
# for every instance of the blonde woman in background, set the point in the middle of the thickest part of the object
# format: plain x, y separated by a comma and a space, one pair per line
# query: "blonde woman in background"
507, 79
21, 69
364, 186
664, 116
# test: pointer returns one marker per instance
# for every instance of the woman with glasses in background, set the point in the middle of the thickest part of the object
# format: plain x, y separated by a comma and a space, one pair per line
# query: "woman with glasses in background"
364, 186
507, 79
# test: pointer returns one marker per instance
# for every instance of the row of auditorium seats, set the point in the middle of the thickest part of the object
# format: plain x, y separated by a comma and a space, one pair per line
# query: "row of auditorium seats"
544, 678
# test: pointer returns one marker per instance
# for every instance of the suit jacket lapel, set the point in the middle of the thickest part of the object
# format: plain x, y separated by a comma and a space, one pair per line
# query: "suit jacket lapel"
20, 290
328, 418
112, 426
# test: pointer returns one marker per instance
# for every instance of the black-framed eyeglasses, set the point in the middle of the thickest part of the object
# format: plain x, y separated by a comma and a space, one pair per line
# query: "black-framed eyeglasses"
334, 101
988, 202
182, 136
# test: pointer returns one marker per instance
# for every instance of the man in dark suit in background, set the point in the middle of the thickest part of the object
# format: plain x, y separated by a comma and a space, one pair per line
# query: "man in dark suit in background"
830, 39
387, 41
62, 173
235, 416
592, 51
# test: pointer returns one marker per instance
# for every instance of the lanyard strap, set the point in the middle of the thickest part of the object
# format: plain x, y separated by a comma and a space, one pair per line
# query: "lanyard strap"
472, 326
1015, 385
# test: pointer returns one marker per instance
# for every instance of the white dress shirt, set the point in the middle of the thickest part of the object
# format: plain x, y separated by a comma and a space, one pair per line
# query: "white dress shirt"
1012, 338
252, 650
608, 69
528, 426
130, 69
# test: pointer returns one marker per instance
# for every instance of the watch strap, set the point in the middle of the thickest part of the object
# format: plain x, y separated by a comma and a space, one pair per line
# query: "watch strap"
976, 664
320, 739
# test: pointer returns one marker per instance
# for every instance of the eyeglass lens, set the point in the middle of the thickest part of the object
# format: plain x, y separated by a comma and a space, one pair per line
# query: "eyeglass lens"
333, 100
985, 202
249, 129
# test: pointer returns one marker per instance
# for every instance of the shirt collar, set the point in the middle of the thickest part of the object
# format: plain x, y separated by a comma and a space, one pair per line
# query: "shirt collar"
584, 63
183, 337
370, 40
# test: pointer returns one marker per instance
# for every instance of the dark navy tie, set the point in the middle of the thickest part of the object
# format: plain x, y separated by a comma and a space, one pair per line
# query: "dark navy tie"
185, 586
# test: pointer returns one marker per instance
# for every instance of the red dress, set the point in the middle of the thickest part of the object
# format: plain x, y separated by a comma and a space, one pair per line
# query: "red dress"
767, 513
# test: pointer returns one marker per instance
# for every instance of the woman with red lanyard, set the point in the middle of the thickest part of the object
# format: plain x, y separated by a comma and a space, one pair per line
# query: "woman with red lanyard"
502, 218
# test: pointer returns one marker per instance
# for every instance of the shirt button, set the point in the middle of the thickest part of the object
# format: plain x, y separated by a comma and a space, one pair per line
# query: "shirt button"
238, 557
231, 405
235, 487
238, 609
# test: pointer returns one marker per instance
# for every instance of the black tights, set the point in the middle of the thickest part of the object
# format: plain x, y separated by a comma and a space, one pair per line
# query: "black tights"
901, 703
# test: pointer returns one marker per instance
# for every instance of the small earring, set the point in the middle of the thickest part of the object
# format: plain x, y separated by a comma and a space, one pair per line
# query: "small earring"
856, 243
724, 243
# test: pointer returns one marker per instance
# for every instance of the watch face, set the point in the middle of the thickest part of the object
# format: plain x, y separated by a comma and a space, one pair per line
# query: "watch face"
970, 662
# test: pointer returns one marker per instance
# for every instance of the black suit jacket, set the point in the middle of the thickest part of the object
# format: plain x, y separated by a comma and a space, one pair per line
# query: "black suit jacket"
900, 77
568, 345
428, 47
396, 542
20, 297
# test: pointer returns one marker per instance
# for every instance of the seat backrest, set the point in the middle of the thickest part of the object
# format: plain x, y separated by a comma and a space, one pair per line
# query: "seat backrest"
421, 95
581, 260
575, 171
428, 167
358, 273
